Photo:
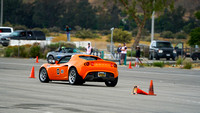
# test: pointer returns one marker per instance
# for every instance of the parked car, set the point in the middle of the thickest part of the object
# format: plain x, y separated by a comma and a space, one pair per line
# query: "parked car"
23, 35
77, 69
194, 53
161, 49
60, 52
5, 31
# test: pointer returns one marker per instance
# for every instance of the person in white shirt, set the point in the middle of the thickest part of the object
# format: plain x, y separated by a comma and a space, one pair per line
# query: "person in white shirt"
123, 53
89, 49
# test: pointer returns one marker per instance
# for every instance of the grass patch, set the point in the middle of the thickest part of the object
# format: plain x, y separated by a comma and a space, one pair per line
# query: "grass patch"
158, 64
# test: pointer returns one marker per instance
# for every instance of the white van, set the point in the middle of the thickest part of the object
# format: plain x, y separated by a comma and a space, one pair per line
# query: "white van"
4, 31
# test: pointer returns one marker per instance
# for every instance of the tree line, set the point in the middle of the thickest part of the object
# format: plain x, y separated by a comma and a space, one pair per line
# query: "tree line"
58, 13
81, 14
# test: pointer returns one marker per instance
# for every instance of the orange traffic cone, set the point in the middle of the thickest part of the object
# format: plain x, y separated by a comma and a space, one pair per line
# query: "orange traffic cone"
151, 90
32, 73
136, 90
130, 65
36, 60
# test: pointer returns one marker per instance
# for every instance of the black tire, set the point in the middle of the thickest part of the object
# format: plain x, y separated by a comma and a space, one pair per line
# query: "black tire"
167, 58
111, 83
43, 75
194, 58
49, 58
4, 44
157, 58
173, 58
74, 78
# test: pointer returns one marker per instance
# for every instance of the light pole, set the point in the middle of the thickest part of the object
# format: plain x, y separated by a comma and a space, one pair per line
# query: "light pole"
152, 26
1, 12
152, 23
111, 43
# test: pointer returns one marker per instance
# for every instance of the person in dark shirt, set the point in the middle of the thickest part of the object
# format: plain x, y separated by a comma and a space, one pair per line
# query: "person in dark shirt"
68, 29
137, 56
119, 52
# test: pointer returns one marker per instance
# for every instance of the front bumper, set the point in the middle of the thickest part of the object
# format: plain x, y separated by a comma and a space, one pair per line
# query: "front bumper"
166, 55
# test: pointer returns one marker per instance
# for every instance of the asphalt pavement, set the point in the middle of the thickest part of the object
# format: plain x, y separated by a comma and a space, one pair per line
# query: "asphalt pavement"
177, 91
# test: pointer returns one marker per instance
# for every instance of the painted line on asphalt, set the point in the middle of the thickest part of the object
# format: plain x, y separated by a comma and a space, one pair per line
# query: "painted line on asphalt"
20, 64
160, 73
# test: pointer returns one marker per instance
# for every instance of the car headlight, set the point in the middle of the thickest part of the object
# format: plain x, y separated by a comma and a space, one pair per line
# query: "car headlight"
160, 51
174, 51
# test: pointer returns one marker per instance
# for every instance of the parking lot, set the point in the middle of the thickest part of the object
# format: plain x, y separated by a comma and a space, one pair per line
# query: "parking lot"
177, 91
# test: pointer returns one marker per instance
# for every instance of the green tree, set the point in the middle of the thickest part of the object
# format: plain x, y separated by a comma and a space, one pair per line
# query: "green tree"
195, 33
109, 18
17, 12
79, 13
121, 36
48, 12
135, 8
169, 21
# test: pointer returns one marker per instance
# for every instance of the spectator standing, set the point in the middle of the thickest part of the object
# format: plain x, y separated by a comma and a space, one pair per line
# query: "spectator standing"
67, 29
119, 52
123, 54
89, 49
137, 56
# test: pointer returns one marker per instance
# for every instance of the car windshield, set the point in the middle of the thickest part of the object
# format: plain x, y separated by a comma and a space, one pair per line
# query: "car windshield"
64, 59
71, 50
164, 45
88, 57
5, 30
14, 34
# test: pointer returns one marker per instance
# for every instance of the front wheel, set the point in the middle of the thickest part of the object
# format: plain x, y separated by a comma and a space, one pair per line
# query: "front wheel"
50, 58
43, 75
112, 83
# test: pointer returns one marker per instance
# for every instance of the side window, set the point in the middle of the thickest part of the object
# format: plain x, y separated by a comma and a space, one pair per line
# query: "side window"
65, 59
154, 44
179, 45
23, 34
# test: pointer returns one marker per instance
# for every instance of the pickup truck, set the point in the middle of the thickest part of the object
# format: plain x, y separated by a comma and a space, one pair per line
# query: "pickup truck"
161, 49
22, 35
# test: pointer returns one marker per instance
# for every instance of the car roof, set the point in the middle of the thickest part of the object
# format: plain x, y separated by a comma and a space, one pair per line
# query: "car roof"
5, 27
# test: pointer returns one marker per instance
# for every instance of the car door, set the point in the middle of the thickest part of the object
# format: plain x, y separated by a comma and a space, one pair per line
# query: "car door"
61, 70
179, 49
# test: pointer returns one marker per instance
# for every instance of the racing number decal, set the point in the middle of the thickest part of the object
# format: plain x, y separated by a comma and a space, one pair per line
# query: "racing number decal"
58, 71
62, 71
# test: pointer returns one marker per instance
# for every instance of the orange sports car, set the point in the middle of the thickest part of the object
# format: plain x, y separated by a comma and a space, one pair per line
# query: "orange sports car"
78, 69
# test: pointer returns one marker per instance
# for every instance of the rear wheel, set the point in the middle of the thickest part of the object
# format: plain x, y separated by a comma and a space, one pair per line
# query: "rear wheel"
112, 83
43, 75
74, 78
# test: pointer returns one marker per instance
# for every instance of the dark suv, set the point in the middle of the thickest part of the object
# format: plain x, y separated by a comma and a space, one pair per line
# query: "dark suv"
23, 35
161, 49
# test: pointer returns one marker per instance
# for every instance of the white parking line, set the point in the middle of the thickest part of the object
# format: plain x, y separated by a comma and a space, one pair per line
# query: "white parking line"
133, 71
20, 64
